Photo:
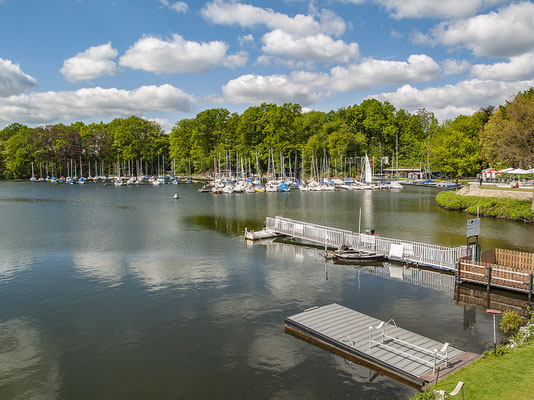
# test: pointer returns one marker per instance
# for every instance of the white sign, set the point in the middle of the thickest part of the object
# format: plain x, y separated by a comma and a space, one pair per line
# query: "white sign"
473, 227
396, 251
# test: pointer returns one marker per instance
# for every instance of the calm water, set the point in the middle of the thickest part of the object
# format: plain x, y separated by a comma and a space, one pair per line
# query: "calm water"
123, 292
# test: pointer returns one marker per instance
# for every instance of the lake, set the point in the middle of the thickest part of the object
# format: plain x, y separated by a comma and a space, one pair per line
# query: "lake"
122, 292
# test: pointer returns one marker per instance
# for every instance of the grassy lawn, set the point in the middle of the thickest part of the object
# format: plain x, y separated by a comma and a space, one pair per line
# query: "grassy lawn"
510, 376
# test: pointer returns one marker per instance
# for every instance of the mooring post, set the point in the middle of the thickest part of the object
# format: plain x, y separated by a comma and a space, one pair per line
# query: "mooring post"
489, 276
458, 264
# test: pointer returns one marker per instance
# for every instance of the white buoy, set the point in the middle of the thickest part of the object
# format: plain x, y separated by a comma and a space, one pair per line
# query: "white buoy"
175, 197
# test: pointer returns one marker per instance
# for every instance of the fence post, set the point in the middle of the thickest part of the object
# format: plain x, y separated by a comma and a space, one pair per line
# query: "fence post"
489, 276
531, 276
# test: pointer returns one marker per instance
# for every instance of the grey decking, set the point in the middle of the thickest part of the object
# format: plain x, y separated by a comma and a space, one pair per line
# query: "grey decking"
346, 331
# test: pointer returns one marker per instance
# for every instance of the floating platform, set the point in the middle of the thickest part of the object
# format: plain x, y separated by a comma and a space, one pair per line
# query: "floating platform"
405, 356
263, 234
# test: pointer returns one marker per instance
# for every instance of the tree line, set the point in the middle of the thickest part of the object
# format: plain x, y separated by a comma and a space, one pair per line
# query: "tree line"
495, 137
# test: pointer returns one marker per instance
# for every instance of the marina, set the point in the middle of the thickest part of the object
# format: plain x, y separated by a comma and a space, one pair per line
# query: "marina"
130, 278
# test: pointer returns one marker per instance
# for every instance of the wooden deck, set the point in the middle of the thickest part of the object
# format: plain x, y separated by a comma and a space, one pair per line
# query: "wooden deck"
401, 250
505, 269
346, 332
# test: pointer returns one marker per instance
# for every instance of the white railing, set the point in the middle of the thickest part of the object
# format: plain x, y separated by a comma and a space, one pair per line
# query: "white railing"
438, 356
419, 253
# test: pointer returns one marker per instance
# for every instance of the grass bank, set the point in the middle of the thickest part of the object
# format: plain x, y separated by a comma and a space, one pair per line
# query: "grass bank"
509, 376
516, 210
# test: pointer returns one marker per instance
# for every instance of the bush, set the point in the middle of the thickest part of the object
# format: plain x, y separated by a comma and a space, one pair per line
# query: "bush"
516, 210
510, 322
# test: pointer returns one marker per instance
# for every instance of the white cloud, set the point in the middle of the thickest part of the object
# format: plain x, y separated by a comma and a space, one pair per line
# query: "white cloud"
519, 67
13, 80
454, 67
319, 47
49, 107
90, 64
248, 16
175, 55
371, 72
179, 6
163, 123
309, 87
236, 60
254, 89
243, 40
465, 97
507, 32
432, 8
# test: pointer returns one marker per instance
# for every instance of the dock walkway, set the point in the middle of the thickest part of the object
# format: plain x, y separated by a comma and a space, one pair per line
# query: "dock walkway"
400, 354
401, 250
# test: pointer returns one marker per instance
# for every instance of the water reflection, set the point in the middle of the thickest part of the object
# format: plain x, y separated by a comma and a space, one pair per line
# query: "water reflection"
223, 224
415, 276
11, 264
108, 268
275, 353
159, 272
28, 370
476, 297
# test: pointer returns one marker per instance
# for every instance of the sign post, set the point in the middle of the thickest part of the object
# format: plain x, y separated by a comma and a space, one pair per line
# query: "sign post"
473, 230
494, 312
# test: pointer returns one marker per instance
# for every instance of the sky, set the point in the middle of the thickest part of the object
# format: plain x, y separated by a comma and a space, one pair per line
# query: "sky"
95, 60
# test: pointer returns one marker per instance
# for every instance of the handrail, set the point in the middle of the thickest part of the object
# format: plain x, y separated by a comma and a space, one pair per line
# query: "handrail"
440, 256
439, 356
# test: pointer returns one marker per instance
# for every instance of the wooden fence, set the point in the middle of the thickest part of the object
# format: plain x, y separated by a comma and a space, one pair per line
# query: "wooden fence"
505, 269
414, 252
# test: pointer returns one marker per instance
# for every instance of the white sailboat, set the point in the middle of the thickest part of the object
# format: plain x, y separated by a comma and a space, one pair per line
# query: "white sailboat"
368, 176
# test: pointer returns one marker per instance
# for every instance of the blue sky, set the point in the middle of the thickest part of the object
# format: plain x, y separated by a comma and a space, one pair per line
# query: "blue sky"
68, 60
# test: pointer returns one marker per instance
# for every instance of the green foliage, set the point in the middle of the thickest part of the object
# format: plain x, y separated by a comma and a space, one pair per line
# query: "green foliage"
516, 210
372, 127
429, 394
508, 137
456, 147
510, 322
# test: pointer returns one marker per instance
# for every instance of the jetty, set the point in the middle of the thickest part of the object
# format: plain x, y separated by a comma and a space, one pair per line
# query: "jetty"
423, 254
403, 355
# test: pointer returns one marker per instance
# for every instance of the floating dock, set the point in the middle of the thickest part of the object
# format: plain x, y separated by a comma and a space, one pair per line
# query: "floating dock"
430, 255
405, 356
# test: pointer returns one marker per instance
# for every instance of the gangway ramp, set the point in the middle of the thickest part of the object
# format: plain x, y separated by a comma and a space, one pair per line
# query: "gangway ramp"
400, 354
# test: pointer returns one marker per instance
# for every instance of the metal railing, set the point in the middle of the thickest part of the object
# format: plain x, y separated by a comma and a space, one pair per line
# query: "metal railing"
438, 356
414, 252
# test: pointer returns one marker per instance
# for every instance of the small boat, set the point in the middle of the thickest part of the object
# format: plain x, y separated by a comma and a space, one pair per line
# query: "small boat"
347, 254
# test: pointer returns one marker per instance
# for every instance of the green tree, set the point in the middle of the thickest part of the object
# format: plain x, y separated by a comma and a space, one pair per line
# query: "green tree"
508, 137
456, 147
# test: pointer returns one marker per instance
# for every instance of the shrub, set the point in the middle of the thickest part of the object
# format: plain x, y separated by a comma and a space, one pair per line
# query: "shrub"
510, 322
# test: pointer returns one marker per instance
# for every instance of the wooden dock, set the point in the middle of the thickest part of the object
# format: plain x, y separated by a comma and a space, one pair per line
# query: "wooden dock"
401, 250
389, 350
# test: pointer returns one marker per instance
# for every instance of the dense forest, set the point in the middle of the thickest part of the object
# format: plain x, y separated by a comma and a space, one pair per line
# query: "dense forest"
496, 137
